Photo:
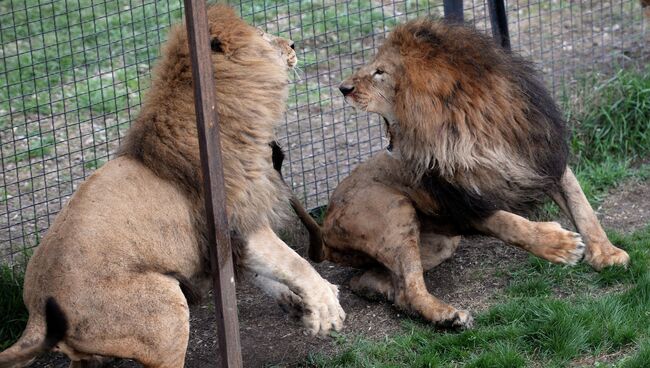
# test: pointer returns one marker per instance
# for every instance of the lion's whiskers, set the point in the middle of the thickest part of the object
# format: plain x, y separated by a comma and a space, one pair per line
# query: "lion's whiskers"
296, 71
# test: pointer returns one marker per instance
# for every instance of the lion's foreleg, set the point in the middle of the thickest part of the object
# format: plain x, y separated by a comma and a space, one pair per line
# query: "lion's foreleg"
410, 291
572, 200
547, 240
267, 255
287, 299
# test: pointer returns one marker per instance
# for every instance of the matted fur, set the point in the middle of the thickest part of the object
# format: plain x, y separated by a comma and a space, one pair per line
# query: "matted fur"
468, 115
474, 115
474, 136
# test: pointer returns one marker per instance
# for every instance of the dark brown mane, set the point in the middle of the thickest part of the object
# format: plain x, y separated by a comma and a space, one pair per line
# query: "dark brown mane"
483, 132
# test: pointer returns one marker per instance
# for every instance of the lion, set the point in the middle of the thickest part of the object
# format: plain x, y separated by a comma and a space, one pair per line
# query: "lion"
115, 273
475, 142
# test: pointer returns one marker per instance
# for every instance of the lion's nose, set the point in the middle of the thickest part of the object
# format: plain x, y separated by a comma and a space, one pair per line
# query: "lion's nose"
346, 89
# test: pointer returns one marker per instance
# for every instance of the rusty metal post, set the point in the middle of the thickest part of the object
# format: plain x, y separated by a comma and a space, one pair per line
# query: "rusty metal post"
207, 123
499, 22
453, 10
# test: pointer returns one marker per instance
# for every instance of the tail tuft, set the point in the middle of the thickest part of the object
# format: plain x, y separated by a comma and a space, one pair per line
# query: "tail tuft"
30, 345
57, 324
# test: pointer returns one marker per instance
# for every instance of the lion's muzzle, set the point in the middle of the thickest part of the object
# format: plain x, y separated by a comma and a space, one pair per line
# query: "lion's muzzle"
346, 89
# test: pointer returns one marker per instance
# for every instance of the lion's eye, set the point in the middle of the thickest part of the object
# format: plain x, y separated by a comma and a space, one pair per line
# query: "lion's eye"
378, 72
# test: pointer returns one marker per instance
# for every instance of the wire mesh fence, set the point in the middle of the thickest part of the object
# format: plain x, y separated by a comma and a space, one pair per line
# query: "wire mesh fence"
73, 73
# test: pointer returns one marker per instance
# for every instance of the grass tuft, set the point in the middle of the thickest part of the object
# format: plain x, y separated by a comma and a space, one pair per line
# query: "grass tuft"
610, 131
501, 355
641, 358
612, 126
13, 314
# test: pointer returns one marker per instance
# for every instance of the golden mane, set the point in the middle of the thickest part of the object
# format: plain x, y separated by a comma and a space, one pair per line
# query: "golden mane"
251, 93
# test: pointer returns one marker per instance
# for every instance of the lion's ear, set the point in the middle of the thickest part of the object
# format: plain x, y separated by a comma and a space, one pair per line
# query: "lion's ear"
215, 45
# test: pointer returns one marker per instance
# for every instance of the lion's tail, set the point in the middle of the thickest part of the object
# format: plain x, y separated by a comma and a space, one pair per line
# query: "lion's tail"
316, 250
30, 345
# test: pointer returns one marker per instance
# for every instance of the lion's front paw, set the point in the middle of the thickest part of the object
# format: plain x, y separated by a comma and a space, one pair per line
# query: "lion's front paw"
322, 310
559, 245
610, 256
291, 304
460, 319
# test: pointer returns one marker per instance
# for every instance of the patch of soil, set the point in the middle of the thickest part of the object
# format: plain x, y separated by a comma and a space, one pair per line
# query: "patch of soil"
628, 207
469, 280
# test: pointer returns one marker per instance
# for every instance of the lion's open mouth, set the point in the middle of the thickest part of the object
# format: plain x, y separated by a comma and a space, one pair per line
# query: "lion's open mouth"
389, 136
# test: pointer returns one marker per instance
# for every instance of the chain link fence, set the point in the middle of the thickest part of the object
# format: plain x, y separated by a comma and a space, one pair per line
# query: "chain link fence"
73, 73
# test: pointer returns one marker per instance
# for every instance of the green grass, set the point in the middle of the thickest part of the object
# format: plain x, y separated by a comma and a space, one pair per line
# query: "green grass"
610, 130
94, 164
529, 325
61, 56
612, 122
13, 314
64, 56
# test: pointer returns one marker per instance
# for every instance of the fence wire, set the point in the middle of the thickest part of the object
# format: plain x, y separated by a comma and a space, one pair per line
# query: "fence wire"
73, 73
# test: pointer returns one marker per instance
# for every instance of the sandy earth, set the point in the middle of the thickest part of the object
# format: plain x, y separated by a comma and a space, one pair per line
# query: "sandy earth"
468, 280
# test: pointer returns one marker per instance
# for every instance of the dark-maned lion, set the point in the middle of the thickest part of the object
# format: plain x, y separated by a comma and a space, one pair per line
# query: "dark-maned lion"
474, 138
113, 275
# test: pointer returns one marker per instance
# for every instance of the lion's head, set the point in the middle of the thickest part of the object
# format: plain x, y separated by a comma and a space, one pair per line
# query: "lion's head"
240, 52
251, 73
283, 45
454, 101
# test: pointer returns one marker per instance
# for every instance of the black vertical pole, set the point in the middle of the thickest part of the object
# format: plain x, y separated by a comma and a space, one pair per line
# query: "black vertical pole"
207, 122
454, 10
499, 22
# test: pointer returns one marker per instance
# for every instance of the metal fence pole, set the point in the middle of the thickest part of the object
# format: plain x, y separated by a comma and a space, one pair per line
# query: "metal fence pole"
499, 22
454, 10
215, 197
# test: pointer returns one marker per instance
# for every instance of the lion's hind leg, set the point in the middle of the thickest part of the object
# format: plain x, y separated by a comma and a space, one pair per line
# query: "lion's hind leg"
600, 251
377, 282
374, 284
142, 316
380, 222
547, 240
436, 248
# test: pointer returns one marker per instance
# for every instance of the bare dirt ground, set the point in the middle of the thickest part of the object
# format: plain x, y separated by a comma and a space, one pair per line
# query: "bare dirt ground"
470, 280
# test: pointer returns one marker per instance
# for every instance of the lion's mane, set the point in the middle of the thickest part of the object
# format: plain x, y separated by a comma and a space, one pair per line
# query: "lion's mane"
251, 95
477, 126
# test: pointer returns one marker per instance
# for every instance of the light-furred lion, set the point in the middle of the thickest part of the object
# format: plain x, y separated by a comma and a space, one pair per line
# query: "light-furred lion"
113, 275
475, 141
